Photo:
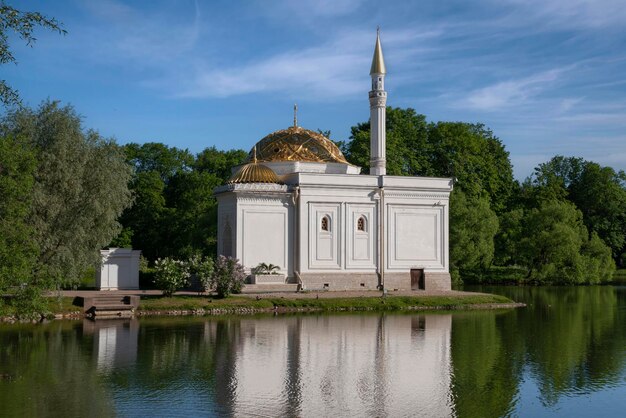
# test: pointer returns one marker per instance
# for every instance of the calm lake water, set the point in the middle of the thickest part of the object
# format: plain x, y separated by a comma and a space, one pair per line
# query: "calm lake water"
563, 355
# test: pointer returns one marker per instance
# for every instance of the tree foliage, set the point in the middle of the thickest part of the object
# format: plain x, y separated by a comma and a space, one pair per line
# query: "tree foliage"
23, 24
599, 192
473, 226
556, 246
175, 213
80, 188
18, 249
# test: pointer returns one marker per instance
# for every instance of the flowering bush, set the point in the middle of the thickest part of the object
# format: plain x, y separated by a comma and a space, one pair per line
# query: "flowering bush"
228, 276
170, 275
202, 269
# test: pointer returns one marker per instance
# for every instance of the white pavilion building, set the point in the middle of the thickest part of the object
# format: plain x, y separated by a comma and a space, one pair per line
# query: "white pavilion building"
300, 205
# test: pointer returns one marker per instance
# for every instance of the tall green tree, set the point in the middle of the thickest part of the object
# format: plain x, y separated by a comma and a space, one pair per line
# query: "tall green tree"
159, 158
194, 210
598, 192
556, 246
148, 217
175, 213
80, 189
23, 24
475, 158
219, 163
473, 226
18, 249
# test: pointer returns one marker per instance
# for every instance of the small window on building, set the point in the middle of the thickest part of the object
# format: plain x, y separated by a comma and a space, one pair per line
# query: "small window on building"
360, 224
325, 224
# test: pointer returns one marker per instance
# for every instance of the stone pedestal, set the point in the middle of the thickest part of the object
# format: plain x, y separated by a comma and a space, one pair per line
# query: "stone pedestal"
267, 279
119, 269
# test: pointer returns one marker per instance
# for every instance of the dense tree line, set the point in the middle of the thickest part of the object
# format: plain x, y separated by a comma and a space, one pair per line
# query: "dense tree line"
174, 213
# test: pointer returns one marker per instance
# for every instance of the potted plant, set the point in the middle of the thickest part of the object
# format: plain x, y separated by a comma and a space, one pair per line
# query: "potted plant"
265, 273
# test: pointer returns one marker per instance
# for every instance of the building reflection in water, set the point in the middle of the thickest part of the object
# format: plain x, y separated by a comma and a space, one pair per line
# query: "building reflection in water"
115, 341
343, 365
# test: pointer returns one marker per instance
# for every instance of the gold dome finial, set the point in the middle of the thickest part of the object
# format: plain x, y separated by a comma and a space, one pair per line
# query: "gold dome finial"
254, 155
378, 62
295, 115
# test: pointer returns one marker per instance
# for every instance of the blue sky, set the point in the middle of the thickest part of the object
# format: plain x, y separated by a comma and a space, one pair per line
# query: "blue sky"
547, 76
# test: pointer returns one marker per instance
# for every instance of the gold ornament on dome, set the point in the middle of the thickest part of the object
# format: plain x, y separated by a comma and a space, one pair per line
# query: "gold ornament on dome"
254, 172
297, 144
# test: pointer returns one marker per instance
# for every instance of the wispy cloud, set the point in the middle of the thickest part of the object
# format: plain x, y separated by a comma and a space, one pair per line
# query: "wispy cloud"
332, 70
567, 104
573, 13
313, 8
511, 92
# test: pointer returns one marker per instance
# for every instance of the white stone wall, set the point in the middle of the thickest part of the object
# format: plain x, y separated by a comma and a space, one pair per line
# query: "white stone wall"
262, 223
264, 219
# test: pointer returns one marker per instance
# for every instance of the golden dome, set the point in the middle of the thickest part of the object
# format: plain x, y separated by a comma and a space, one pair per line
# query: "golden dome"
254, 173
297, 144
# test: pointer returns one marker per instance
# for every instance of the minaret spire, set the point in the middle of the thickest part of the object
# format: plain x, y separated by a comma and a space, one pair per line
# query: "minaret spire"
378, 101
378, 62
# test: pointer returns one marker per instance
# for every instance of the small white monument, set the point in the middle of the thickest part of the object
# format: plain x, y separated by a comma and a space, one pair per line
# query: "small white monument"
119, 269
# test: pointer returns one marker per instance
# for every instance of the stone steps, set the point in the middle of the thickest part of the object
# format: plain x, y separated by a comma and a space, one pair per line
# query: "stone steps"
110, 305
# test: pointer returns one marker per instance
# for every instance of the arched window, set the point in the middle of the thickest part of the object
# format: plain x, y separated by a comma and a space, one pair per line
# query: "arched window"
325, 224
227, 241
360, 224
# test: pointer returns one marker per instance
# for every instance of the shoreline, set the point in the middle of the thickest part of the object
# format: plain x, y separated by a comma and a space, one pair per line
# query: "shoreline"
192, 304
293, 310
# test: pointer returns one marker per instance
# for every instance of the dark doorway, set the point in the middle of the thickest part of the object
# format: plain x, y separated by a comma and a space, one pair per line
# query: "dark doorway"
417, 279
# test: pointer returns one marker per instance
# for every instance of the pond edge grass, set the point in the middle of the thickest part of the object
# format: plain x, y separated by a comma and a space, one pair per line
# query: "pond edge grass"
201, 305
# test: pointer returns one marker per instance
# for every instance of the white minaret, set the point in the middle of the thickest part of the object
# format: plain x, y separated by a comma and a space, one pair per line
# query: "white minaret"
378, 100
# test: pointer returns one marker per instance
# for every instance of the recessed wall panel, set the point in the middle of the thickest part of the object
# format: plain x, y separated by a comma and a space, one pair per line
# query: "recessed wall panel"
325, 236
264, 238
414, 233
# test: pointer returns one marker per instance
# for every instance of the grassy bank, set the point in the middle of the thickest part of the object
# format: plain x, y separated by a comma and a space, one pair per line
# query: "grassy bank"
53, 305
389, 303
188, 304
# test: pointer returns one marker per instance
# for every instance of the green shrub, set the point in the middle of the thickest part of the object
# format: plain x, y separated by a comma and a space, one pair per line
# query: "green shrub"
170, 275
202, 269
228, 276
